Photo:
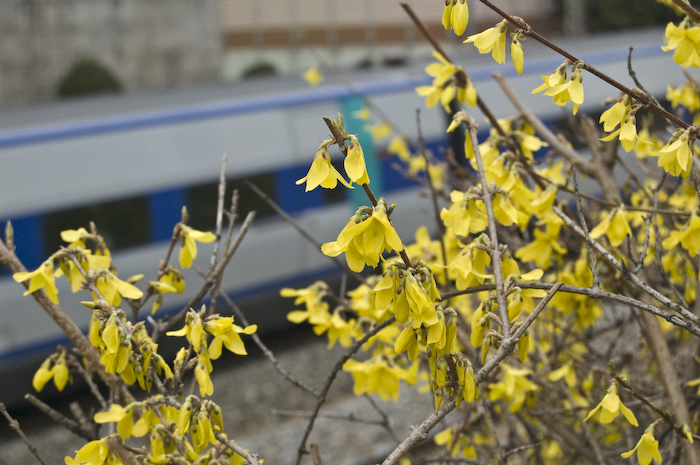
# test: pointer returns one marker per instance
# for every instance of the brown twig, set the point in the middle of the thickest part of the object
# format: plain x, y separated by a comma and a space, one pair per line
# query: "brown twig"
340, 140
329, 381
301, 230
493, 232
508, 343
582, 219
628, 275
163, 326
61, 419
14, 425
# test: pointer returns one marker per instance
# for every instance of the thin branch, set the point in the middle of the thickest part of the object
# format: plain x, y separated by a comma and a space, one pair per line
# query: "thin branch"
163, 326
594, 294
628, 275
493, 232
420, 432
251, 459
338, 366
433, 196
350, 417
268, 353
589, 243
60, 418
68, 326
689, 10
641, 98
14, 425
301, 230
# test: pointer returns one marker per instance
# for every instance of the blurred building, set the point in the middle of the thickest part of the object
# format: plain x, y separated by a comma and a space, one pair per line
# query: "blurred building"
62, 48
288, 36
139, 44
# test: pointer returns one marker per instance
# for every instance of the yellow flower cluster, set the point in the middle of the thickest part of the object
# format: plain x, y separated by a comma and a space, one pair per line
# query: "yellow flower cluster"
126, 348
197, 326
685, 40
561, 89
365, 237
53, 367
449, 81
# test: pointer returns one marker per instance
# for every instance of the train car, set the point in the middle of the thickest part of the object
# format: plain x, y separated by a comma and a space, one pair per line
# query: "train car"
130, 163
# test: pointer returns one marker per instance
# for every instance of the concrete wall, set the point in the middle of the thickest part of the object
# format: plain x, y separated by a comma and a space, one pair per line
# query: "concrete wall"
146, 44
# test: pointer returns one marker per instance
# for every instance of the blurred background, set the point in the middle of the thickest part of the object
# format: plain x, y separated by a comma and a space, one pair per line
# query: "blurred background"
53, 49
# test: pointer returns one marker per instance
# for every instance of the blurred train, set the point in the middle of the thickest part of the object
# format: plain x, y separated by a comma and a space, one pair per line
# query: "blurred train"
130, 163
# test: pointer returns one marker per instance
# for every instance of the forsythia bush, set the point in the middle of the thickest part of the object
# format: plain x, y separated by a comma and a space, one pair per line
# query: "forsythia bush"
541, 312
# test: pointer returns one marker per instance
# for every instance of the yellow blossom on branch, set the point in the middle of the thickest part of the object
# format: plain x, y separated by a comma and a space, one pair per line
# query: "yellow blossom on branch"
322, 172
53, 367
611, 406
676, 157
455, 16
42, 277
685, 40
492, 40
614, 225
365, 238
188, 249
647, 448
381, 377
355, 165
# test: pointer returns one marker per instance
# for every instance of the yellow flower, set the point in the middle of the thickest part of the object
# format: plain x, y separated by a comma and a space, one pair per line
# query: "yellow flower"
569, 91
188, 249
688, 236
611, 406
676, 157
124, 417
514, 387
470, 267
615, 114
226, 333
42, 277
92, 453
445, 86
685, 95
322, 172
53, 367
516, 53
111, 288
206, 388
492, 40
363, 113
355, 165
647, 448
615, 225
75, 237
459, 15
685, 40
543, 247
399, 147
365, 238
377, 376
464, 215
313, 76
556, 78
378, 131
627, 133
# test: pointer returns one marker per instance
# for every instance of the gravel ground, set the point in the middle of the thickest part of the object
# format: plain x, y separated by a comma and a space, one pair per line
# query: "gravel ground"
253, 395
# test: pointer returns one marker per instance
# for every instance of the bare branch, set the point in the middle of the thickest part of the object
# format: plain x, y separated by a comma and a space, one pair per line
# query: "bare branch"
14, 425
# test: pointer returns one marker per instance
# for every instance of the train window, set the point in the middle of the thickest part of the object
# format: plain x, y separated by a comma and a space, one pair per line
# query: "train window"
122, 223
202, 200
